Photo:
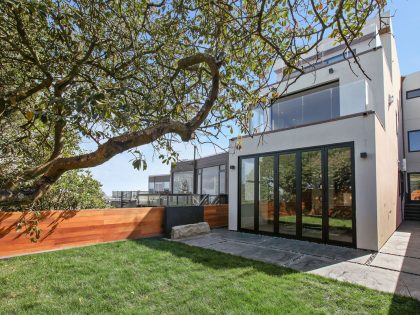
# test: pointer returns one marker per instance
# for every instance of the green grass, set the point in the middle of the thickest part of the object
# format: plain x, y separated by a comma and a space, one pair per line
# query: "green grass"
160, 277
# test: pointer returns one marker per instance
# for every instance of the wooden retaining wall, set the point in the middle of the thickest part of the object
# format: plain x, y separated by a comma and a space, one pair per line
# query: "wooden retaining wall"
63, 229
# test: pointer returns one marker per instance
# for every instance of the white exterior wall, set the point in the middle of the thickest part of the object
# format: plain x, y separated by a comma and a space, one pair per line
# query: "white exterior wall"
378, 207
411, 109
388, 142
360, 129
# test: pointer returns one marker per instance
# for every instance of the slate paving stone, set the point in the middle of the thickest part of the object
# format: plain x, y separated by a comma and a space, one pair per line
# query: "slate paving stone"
389, 270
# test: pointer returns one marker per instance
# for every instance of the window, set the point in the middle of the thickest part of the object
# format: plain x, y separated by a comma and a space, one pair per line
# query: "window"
199, 179
414, 141
414, 186
183, 182
210, 180
413, 94
346, 55
222, 177
318, 104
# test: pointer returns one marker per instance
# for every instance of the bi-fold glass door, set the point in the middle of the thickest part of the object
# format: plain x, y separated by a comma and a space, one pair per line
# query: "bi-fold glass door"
305, 194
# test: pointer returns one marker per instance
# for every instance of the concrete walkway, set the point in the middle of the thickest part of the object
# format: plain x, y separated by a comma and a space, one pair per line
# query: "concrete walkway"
395, 269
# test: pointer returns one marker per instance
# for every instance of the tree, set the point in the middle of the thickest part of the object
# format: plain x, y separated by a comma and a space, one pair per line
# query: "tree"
126, 73
75, 190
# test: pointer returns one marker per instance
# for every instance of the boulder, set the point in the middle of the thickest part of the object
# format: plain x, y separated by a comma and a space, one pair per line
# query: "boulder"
188, 230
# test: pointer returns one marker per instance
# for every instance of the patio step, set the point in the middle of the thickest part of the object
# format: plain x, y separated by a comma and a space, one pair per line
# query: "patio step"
412, 212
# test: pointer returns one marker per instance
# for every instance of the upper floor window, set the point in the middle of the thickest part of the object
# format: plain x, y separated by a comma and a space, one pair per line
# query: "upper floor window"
414, 141
317, 104
413, 93
345, 55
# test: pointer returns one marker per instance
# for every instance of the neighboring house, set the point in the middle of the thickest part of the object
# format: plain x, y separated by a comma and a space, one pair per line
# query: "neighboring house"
204, 176
160, 183
411, 126
330, 167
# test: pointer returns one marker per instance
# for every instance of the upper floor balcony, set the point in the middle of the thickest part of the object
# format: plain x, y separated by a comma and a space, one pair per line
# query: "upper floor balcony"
320, 104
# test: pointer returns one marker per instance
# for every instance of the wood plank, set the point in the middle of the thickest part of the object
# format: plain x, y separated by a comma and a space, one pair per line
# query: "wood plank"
62, 229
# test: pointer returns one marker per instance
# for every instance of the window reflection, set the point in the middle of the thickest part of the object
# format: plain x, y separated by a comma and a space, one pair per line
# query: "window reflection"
318, 104
183, 182
266, 193
247, 194
210, 180
340, 210
311, 194
414, 187
287, 194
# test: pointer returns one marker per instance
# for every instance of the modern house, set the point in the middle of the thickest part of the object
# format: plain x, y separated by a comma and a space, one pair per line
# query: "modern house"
204, 176
340, 152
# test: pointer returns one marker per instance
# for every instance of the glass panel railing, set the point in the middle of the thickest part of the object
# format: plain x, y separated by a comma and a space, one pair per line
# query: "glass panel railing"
307, 108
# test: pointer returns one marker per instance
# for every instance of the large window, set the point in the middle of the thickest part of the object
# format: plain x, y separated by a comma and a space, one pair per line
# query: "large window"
210, 180
413, 93
414, 141
318, 104
183, 182
304, 193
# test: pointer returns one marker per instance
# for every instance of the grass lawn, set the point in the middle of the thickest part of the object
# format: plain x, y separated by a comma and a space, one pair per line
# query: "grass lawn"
159, 277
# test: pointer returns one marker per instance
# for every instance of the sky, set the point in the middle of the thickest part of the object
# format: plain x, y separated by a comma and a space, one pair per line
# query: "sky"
119, 174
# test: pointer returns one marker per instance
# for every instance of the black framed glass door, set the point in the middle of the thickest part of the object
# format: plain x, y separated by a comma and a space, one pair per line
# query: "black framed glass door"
266, 193
247, 194
288, 206
312, 194
304, 194
340, 195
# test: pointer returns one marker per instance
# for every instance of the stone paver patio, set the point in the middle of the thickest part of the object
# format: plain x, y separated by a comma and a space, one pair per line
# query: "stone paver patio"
395, 268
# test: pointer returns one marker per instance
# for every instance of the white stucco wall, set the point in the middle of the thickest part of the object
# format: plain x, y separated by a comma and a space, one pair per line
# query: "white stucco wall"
388, 143
360, 129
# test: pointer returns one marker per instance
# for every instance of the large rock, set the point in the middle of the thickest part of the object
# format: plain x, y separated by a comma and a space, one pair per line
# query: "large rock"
187, 230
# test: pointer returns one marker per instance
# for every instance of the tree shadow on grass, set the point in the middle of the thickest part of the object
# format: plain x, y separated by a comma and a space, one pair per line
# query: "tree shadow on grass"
223, 261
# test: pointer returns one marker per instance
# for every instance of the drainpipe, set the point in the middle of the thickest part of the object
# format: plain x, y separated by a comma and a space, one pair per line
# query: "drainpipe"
195, 172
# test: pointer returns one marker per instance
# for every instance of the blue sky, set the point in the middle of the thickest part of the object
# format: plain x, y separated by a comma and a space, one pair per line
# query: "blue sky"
118, 173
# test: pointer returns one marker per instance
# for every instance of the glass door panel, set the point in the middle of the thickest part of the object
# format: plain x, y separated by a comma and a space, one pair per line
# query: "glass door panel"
414, 184
247, 193
311, 191
287, 194
340, 192
266, 193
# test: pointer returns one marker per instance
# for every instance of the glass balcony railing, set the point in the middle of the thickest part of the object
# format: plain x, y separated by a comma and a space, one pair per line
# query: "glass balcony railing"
317, 105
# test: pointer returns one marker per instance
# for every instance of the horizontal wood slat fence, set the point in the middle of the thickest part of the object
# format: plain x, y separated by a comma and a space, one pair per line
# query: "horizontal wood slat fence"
64, 229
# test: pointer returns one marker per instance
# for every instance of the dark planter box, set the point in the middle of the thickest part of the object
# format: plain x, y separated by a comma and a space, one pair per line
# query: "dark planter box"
182, 215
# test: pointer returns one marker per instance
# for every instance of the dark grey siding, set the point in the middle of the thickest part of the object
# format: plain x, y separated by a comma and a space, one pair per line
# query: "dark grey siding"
159, 178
